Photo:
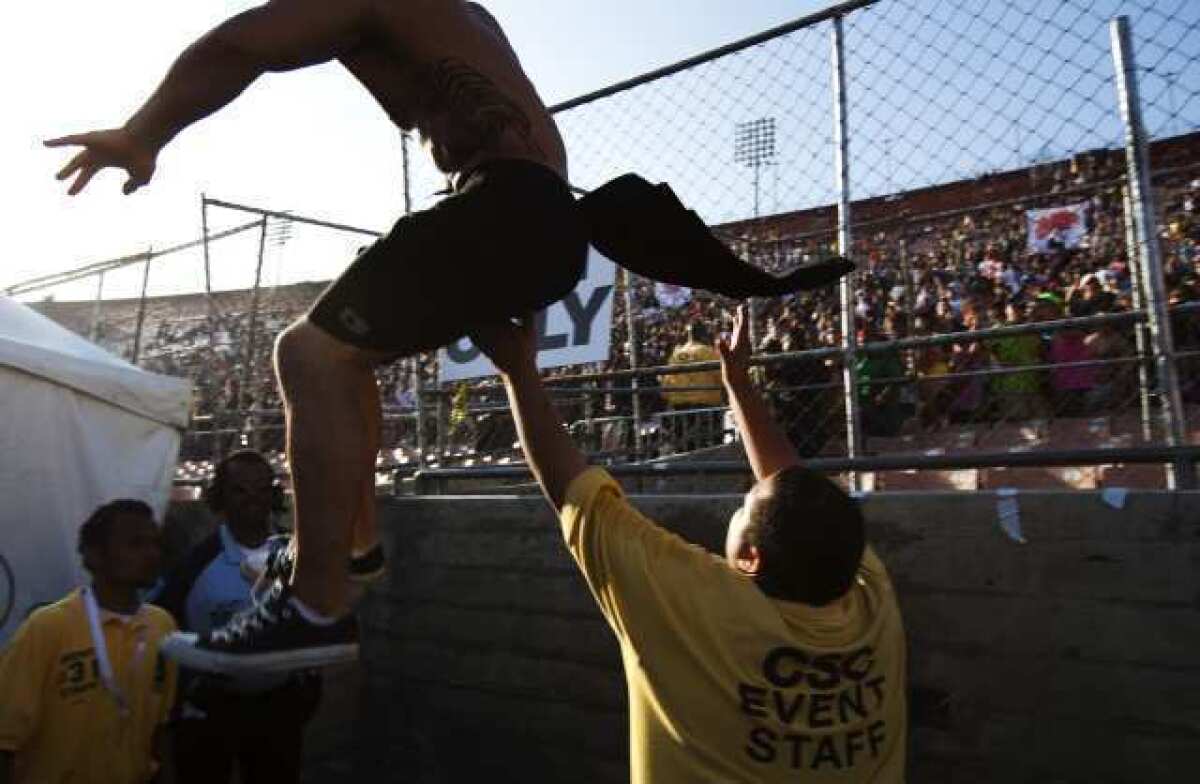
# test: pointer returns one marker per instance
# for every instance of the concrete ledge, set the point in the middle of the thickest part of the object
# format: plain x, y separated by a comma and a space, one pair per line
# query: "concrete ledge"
1069, 658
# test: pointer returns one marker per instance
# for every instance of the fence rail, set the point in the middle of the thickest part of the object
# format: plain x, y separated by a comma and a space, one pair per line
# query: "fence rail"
435, 481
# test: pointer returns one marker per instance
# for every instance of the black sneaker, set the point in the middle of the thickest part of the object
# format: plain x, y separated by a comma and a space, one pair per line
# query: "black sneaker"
281, 560
270, 637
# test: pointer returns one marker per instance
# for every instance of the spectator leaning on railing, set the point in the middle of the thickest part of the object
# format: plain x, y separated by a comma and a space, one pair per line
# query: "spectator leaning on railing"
1016, 395
1072, 385
676, 387
880, 381
690, 431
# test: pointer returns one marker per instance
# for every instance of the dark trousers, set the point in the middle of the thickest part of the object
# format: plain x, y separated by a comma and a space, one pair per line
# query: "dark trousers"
261, 734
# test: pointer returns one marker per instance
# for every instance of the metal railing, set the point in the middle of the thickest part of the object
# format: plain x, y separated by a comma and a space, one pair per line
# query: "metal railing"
1124, 365
437, 481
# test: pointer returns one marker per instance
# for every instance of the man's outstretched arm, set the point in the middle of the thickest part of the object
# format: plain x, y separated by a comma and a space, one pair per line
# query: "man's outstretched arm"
278, 36
553, 458
767, 446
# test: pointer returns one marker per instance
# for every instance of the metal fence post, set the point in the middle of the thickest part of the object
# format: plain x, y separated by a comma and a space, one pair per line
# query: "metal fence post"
404, 173
1137, 289
910, 295
95, 333
443, 413
141, 315
1137, 163
252, 336
204, 241
589, 415
752, 302
418, 377
634, 361
418, 371
418, 387
212, 310
842, 177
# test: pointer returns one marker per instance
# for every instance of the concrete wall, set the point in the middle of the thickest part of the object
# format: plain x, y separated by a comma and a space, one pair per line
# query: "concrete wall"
1070, 658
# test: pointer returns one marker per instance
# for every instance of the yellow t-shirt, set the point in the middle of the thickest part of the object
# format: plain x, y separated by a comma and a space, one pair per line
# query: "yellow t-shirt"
726, 684
683, 355
55, 712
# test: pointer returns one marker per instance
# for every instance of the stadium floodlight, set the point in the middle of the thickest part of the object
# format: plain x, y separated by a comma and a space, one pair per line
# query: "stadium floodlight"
281, 231
754, 146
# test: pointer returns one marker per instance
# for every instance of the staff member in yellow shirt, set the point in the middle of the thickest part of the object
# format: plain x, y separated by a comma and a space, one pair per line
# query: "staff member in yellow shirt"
782, 661
84, 695
689, 391
679, 389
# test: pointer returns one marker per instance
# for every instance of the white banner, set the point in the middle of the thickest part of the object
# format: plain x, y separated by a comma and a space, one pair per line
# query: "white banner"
574, 330
671, 296
1064, 226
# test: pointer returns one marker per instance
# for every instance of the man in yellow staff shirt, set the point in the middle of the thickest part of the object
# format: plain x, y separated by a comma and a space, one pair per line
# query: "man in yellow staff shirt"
679, 388
783, 661
687, 391
84, 694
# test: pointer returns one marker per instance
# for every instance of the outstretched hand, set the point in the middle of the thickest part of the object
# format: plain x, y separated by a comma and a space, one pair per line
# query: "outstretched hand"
510, 343
735, 351
115, 147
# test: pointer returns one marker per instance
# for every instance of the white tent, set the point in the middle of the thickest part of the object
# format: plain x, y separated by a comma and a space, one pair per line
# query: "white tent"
78, 427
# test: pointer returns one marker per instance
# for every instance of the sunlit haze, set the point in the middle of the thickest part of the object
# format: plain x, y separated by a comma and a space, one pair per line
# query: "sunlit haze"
311, 142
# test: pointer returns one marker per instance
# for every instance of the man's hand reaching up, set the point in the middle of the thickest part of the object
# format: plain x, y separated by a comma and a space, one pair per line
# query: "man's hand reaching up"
767, 447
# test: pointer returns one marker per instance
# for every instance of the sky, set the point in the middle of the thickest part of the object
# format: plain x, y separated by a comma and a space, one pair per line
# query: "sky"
312, 141
937, 92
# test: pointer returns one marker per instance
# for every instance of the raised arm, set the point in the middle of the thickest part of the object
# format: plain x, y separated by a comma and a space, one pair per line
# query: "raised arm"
553, 458
278, 36
767, 447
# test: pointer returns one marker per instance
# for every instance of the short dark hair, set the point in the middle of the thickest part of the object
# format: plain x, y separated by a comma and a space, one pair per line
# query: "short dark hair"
698, 331
214, 492
810, 538
97, 529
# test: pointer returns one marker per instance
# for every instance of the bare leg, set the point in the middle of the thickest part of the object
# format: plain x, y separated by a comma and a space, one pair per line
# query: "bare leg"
330, 435
365, 533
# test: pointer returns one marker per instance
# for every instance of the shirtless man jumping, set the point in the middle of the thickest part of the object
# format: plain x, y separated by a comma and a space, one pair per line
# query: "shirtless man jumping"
510, 230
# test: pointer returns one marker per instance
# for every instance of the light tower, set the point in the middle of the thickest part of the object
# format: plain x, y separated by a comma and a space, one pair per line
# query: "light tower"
754, 146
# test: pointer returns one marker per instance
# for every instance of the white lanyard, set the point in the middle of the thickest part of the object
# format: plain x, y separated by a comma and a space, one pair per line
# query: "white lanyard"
104, 664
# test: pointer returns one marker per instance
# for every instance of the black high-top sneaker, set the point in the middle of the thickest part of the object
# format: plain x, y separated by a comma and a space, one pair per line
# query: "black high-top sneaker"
281, 560
271, 636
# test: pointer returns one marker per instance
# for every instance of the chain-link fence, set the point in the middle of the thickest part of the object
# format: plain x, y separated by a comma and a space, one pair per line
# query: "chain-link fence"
986, 165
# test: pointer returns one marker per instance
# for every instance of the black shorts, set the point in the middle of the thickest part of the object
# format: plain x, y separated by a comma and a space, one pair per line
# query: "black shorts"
508, 241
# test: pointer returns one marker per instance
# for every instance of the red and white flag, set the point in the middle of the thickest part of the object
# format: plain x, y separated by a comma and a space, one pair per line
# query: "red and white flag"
1064, 226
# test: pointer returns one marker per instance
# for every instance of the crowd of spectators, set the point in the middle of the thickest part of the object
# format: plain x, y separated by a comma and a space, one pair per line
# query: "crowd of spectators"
962, 273
965, 271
